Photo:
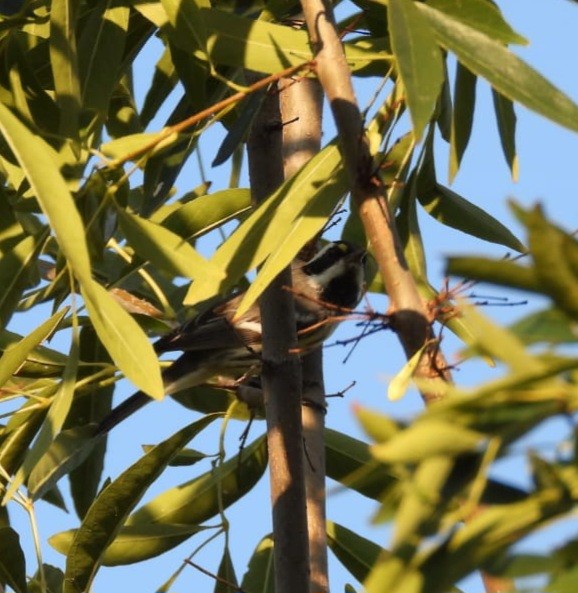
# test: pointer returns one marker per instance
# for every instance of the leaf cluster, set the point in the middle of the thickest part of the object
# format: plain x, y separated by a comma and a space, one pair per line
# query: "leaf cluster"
93, 225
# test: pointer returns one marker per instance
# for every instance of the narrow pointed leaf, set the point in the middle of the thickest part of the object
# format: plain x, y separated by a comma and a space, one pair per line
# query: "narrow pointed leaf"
12, 561
166, 249
124, 340
15, 355
427, 439
187, 22
482, 15
507, 73
64, 62
260, 575
102, 42
133, 544
279, 227
163, 82
205, 213
109, 511
356, 553
501, 272
506, 118
40, 164
16, 262
67, 451
203, 497
452, 210
419, 60
462, 116
55, 417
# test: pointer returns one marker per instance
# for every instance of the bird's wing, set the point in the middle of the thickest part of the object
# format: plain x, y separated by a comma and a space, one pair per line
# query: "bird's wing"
214, 330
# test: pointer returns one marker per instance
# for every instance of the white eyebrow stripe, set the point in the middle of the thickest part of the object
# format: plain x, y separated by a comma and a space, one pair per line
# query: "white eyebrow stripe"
252, 326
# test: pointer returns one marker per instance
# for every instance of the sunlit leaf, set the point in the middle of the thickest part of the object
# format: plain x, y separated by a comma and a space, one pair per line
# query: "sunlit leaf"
109, 511
453, 210
102, 42
201, 498
167, 250
134, 543
427, 439
64, 62
418, 59
356, 553
280, 226
260, 576
484, 16
40, 164
507, 73
15, 355
124, 340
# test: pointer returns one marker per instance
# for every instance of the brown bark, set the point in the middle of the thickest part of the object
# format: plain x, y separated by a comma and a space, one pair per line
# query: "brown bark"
281, 377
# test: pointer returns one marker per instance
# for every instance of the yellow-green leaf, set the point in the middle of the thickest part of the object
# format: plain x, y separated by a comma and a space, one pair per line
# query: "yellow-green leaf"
419, 60
124, 340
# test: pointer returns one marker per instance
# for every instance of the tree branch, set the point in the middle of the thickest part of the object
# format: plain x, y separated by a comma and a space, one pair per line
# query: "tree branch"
409, 314
281, 377
301, 102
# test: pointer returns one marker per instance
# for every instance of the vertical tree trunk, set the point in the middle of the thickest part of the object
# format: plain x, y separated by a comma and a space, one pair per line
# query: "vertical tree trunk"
281, 377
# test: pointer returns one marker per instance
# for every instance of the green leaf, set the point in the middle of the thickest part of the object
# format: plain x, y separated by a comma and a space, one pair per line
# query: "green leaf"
227, 582
237, 41
260, 575
40, 361
481, 15
506, 118
40, 164
202, 498
67, 451
205, 213
16, 263
452, 210
278, 229
187, 22
163, 82
239, 130
551, 326
497, 342
109, 511
462, 116
95, 404
555, 255
133, 543
356, 553
12, 561
64, 62
425, 439
167, 250
56, 416
15, 354
501, 272
350, 463
410, 233
124, 340
100, 52
419, 60
507, 73
401, 382
121, 148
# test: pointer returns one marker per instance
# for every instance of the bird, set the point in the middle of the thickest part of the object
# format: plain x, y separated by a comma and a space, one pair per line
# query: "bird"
216, 343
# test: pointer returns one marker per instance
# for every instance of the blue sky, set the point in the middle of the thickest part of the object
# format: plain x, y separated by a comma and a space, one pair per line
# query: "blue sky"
548, 158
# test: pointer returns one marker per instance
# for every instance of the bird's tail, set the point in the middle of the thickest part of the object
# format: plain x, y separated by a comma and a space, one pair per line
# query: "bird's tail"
125, 409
